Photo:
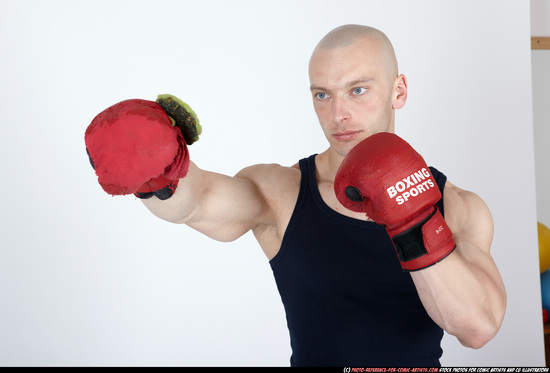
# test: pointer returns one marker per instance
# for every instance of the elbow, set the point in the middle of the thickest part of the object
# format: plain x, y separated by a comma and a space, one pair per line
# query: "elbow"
477, 335
475, 340
479, 328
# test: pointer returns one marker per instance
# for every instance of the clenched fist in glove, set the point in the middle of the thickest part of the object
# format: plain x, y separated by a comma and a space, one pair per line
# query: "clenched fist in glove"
139, 147
384, 177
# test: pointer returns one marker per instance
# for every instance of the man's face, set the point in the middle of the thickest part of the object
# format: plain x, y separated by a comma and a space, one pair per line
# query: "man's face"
353, 94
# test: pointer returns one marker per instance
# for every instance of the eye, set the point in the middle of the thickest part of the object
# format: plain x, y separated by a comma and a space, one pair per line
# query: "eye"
321, 95
359, 91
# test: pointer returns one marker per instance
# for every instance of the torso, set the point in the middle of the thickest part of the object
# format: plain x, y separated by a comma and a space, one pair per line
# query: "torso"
281, 190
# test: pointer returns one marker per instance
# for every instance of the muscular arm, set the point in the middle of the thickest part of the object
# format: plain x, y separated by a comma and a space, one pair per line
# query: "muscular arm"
219, 206
464, 293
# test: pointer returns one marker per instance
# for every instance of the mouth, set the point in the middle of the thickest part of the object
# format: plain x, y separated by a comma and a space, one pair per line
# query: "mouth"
346, 136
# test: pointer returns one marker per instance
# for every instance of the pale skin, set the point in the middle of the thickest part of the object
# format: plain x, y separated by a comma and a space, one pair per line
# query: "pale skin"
355, 90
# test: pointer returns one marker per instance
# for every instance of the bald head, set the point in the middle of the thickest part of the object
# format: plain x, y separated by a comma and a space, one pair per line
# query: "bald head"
374, 41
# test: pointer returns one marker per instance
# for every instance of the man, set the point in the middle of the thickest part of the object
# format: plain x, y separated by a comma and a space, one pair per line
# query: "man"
347, 299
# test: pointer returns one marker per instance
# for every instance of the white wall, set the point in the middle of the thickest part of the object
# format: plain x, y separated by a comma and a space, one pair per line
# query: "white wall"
540, 61
540, 17
89, 279
541, 119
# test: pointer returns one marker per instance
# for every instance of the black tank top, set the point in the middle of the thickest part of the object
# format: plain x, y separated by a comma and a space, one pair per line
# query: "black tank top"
347, 300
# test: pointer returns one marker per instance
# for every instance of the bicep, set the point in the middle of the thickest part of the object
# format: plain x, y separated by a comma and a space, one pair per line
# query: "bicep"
225, 207
468, 217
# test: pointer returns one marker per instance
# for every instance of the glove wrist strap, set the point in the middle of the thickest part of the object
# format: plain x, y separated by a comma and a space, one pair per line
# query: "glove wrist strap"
161, 187
424, 244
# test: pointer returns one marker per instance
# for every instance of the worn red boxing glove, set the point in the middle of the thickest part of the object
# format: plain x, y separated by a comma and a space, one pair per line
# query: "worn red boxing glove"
135, 148
384, 177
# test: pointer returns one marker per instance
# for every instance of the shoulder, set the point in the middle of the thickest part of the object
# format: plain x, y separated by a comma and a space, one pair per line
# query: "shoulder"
269, 175
278, 188
275, 183
468, 216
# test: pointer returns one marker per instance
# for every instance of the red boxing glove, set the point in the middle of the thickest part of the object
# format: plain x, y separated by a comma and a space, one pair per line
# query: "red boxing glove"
384, 177
135, 148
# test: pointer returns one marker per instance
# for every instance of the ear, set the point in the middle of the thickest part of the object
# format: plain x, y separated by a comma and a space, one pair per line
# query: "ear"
399, 92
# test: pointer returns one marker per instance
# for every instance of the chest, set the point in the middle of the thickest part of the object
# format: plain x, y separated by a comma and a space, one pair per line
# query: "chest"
341, 253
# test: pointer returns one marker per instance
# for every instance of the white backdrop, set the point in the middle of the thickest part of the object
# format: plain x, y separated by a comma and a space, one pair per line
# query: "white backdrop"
89, 279
540, 66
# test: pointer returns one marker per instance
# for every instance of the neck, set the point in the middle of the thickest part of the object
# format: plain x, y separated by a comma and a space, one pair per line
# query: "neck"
328, 163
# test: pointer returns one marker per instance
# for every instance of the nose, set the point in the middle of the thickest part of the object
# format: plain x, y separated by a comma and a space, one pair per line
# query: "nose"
340, 110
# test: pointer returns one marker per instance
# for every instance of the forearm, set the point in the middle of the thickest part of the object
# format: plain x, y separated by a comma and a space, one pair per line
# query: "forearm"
464, 294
